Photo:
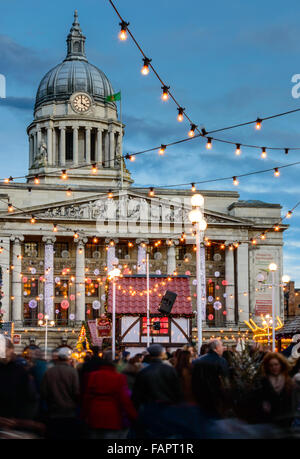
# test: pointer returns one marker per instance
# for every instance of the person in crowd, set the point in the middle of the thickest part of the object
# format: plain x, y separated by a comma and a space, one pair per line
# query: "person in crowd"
276, 395
214, 357
17, 393
209, 388
107, 406
175, 356
91, 364
157, 382
184, 369
60, 391
131, 369
204, 349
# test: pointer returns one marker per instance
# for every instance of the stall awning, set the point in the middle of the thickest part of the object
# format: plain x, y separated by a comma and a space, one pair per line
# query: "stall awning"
131, 294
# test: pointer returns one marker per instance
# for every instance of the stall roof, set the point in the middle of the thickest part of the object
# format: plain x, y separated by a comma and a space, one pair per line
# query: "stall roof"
289, 329
131, 297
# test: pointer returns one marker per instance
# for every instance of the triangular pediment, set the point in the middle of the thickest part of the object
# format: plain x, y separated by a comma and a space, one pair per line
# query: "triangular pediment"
124, 206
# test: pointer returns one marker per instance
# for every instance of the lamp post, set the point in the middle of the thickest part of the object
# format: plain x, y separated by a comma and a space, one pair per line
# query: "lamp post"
44, 323
273, 269
115, 272
196, 218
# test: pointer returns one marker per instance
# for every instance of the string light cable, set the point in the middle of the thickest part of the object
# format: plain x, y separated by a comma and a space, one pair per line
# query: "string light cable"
182, 111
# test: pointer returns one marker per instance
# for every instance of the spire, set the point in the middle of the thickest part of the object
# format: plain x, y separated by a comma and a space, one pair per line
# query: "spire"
76, 42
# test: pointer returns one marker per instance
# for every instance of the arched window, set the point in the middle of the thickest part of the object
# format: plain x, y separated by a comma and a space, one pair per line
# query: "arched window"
77, 47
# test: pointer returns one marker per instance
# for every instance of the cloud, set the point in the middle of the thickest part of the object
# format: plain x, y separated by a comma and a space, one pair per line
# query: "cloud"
19, 62
23, 103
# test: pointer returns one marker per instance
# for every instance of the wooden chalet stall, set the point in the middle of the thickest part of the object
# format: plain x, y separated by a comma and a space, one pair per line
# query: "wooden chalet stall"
174, 331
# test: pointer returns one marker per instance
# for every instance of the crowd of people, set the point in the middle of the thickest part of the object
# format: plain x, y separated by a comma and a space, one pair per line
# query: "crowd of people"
152, 395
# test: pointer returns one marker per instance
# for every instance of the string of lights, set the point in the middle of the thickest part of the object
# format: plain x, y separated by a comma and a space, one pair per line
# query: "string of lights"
151, 191
167, 93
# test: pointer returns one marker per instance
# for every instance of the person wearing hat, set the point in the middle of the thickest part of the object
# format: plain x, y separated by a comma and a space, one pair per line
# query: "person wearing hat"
60, 391
157, 382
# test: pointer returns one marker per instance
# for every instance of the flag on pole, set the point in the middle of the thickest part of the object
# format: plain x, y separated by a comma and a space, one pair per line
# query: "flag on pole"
114, 97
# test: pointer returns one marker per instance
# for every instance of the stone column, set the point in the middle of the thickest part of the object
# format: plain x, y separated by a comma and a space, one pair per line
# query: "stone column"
243, 281
38, 140
75, 146
34, 145
49, 275
106, 152
142, 252
99, 147
49, 145
111, 253
5, 262
88, 145
16, 280
31, 150
54, 159
229, 277
111, 149
171, 258
80, 280
62, 146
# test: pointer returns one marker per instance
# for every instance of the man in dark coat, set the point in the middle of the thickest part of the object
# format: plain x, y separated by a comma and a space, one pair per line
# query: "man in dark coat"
157, 382
214, 357
60, 391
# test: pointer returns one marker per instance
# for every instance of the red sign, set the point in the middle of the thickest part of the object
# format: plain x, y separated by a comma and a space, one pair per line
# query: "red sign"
17, 339
103, 326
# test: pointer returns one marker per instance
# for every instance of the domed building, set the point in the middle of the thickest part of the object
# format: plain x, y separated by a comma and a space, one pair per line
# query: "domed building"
74, 124
78, 215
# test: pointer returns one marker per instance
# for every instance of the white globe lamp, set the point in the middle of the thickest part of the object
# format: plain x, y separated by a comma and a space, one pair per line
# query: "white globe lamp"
197, 200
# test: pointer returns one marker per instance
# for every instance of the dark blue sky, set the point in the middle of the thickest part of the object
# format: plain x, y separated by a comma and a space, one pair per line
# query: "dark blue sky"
226, 62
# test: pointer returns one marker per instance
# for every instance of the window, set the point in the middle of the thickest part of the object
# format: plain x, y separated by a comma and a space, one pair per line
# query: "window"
163, 322
180, 251
30, 315
122, 250
62, 288
31, 287
31, 249
59, 247
92, 288
90, 313
61, 315
90, 249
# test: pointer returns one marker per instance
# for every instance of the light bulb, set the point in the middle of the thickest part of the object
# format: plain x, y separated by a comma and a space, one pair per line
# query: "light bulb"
180, 114
258, 124
235, 181
263, 153
192, 130
64, 175
162, 149
209, 144
276, 172
238, 149
123, 31
94, 169
145, 69
165, 93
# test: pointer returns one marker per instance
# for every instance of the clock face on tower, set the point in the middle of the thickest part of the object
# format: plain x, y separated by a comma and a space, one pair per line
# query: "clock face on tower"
81, 103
